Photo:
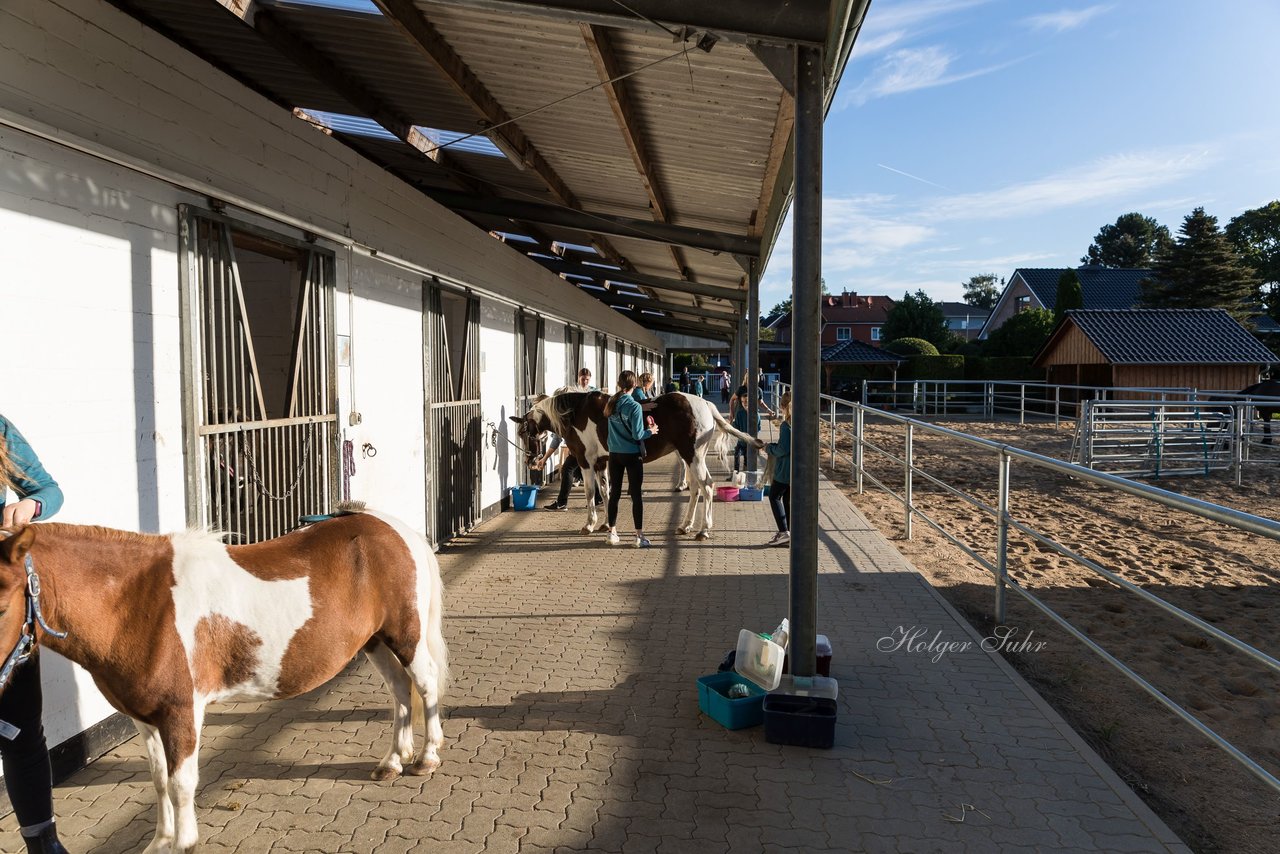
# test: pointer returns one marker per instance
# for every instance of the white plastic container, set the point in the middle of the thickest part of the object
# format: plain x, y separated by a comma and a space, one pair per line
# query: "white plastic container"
759, 659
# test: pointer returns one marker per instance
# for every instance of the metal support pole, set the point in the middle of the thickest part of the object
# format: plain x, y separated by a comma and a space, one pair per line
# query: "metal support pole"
859, 419
753, 359
831, 437
1022, 404
1057, 406
739, 357
1238, 440
1002, 538
806, 214
908, 478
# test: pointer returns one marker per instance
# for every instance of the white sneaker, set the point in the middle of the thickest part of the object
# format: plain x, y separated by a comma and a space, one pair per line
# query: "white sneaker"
773, 541
613, 538
783, 539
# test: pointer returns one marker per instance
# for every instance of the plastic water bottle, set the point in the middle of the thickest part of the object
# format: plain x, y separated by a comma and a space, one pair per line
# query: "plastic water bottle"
782, 633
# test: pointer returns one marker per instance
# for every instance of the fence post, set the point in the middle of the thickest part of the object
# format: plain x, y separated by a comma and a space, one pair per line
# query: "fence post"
944, 398
989, 400
863, 398
909, 469
1057, 406
1239, 441
1022, 404
1002, 539
832, 435
859, 415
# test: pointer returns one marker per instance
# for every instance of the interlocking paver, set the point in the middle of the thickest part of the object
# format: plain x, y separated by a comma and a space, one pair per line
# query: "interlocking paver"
572, 721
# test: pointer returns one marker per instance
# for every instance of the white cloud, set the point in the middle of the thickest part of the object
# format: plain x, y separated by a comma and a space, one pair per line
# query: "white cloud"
867, 46
1066, 19
1115, 177
910, 69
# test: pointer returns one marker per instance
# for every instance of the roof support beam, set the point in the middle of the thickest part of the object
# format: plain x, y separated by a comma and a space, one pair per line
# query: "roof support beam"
639, 303
659, 325
638, 229
770, 21
411, 22
609, 70
603, 274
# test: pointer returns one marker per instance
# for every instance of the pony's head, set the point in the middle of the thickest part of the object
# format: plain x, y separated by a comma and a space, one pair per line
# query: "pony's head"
529, 432
13, 584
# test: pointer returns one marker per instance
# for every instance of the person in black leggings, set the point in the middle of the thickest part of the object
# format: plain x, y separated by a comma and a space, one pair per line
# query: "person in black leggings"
23, 749
780, 485
627, 432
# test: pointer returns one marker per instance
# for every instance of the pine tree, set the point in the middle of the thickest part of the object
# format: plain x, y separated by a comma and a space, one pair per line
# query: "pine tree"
1201, 270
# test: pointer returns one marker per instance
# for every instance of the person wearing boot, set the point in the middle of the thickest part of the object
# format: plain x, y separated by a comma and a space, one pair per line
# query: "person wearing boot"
23, 750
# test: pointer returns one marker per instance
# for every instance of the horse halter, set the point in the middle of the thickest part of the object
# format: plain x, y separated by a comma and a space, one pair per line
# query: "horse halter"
26, 645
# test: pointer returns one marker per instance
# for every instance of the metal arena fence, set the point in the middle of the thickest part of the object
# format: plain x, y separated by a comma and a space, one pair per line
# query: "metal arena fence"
848, 418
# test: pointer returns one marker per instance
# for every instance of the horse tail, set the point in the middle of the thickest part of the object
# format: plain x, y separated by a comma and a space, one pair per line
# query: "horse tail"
729, 433
433, 630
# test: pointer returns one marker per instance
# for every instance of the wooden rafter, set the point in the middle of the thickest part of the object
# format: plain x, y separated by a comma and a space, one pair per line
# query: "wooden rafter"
414, 25
327, 72
782, 127
609, 68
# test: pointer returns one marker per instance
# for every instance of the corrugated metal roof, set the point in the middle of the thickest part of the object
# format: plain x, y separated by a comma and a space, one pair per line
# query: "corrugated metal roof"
1169, 337
707, 120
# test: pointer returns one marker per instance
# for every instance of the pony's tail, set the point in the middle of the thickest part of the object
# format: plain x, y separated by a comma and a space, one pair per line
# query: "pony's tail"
728, 431
433, 628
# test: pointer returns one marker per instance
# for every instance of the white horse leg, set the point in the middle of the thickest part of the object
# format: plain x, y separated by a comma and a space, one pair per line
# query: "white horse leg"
426, 678
694, 495
705, 486
589, 484
393, 673
183, 782
163, 839
684, 476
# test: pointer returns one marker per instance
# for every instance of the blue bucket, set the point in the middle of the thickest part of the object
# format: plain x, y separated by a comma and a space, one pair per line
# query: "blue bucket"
524, 497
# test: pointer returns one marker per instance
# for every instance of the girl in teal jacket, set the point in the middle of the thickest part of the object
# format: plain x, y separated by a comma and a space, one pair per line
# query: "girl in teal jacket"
26, 755
626, 454
780, 486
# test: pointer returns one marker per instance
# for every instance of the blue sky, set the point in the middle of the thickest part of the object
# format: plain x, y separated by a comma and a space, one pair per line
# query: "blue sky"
975, 136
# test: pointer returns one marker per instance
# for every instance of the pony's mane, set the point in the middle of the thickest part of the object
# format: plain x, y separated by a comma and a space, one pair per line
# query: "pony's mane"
110, 535
551, 407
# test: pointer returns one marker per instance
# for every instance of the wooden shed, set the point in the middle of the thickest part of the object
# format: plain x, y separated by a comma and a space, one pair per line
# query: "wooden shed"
1153, 348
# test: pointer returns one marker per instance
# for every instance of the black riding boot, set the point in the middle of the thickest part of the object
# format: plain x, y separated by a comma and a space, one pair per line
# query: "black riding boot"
46, 843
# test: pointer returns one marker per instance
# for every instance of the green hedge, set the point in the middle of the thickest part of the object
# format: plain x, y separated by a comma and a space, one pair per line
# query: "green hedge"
933, 368
1001, 368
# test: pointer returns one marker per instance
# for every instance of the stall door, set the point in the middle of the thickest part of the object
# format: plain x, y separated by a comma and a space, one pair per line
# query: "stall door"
261, 401
531, 382
452, 380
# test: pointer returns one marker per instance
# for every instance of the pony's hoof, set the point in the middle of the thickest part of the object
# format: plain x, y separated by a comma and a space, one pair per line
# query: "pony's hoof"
383, 773
703, 535
604, 526
423, 767
586, 529
682, 530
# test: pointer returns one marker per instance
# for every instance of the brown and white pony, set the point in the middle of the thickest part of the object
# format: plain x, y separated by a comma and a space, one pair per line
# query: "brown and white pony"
687, 425
168, 624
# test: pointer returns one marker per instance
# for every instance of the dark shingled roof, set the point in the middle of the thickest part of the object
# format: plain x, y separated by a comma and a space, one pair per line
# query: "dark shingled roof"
1169, 337
1102, 287
857, 353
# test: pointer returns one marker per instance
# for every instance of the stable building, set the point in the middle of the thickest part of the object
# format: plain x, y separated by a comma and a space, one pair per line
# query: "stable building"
1153, 348
261, 257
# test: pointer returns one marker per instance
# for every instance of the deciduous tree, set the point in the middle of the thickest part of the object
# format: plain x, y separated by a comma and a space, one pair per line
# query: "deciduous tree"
1021, 335
1256, 236
981, 291
916, 316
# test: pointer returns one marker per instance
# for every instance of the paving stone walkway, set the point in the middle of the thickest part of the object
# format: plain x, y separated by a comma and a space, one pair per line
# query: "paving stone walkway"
573, 722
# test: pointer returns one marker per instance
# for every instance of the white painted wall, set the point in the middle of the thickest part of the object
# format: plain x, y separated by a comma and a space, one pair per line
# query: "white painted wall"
498, 360
89, 276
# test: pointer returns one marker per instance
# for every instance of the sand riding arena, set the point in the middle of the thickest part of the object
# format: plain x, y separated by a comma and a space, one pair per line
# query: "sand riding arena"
1228, 577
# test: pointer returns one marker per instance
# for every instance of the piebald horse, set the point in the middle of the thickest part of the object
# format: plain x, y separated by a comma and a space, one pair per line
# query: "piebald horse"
687, 425
168, 624
1266, 388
